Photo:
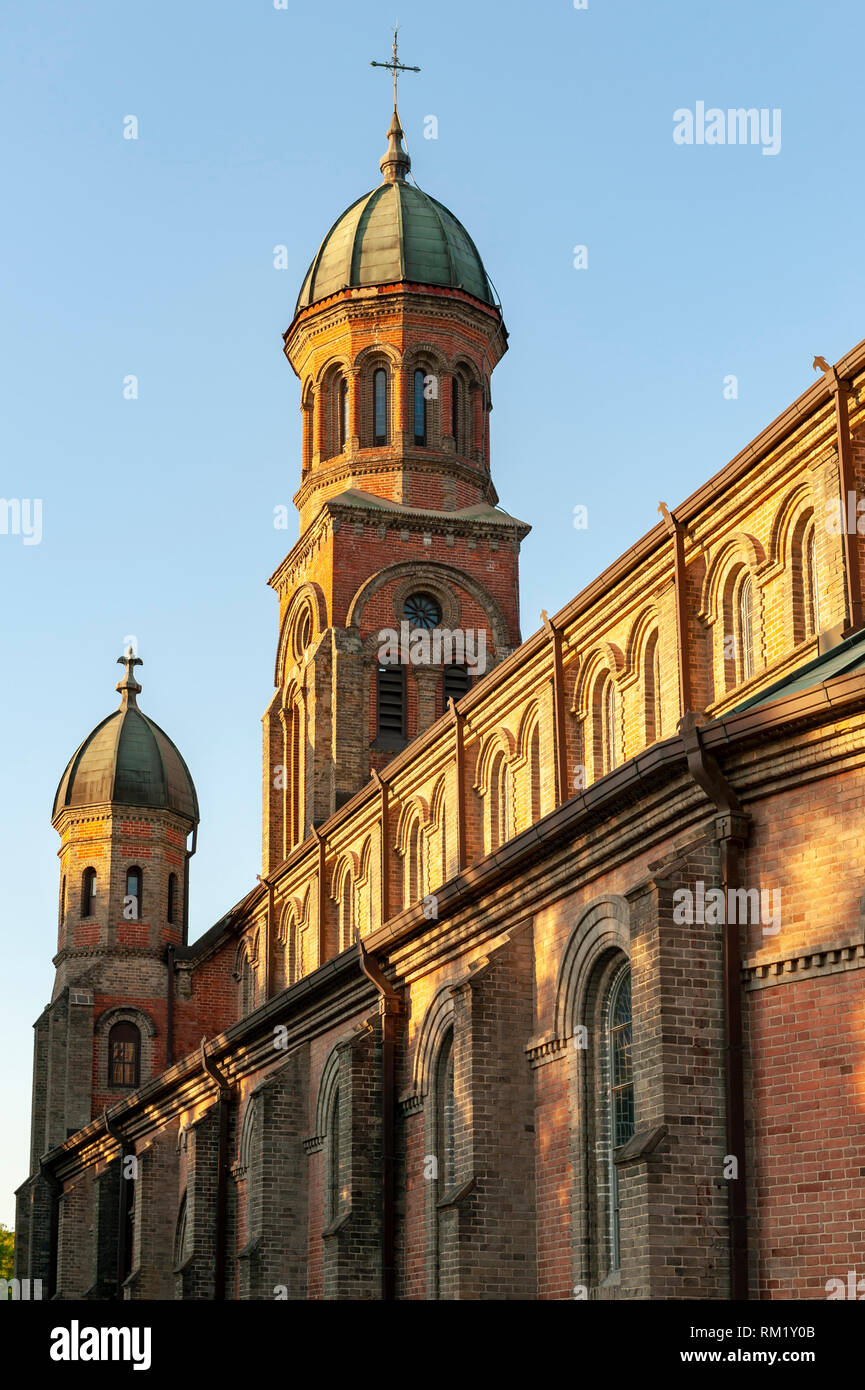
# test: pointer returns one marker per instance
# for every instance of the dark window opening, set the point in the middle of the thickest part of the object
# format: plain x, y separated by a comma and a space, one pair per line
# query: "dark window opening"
132, 901
455, 684
420, 420
343, 414
124, 1054
391, 702
379, 401
171, 911
88, 893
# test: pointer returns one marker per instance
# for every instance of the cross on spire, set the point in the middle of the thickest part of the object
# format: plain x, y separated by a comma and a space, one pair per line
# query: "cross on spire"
395, 66
129, 687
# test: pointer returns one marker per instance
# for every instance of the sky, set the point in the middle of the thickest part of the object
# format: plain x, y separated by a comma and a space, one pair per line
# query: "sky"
153, 258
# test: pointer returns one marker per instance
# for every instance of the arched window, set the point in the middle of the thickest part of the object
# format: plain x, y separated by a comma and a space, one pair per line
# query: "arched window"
745, 614
456, 683
171, 906
342, 399
456, 415
420, 407
533, 772
293, 776
124, 1054
446, 1116
132, 902
391, 705
652, 686
812, 592
620, 1093
414, 869
379, 406
347, 932
308, 429
500, 816
88, 893
608, 726
333, 1159
247, 984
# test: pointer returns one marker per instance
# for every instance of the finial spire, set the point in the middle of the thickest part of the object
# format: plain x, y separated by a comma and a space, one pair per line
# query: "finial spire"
129, 687
396, 162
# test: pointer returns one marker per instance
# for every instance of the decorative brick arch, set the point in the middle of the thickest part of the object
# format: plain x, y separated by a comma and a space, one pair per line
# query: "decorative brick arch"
124, 1013
308, 595
438, 577
436, 1023
603, 929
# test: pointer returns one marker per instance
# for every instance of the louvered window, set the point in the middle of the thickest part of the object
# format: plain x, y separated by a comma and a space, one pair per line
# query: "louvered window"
391, 702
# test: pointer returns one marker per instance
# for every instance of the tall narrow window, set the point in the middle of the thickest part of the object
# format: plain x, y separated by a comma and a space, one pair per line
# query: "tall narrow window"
651, 680
343, 413
455, 683
445, 1108
171, 908
88, 893
746, 629
455, 415
333, 1159
379, 405
124, 1055
608, 727
621, 1094
420, 421
391, 704
812, 593
62, 899
132, 901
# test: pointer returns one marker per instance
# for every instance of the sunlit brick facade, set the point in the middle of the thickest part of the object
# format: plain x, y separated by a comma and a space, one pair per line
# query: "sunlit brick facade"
461, 1041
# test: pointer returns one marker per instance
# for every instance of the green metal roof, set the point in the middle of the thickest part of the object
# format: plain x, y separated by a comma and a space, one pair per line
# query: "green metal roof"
396, 233
128, 759
847, 657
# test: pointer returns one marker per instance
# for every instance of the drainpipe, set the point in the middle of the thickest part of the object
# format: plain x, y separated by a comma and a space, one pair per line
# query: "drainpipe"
223, 1103
841, 390
732, 827
122, 1223
677, 531
385, 846
269, 938
390, 1008
559, 708
169, 1007
460, 765
53, 1227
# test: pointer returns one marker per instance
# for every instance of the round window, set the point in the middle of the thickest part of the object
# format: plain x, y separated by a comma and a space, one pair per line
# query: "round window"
302, 634
422, 610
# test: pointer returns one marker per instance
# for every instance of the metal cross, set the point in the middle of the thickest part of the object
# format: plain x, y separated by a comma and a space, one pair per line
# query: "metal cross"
395, 66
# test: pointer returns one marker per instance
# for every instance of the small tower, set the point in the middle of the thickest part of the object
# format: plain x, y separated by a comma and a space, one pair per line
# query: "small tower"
402, 589
125, 810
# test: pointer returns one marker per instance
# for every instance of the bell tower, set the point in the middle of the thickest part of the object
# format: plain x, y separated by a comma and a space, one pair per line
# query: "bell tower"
402, 589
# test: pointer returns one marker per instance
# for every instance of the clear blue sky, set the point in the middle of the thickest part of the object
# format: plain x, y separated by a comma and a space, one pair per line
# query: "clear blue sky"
154, 257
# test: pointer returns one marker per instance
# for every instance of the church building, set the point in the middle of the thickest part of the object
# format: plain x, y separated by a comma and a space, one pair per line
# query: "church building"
550, 985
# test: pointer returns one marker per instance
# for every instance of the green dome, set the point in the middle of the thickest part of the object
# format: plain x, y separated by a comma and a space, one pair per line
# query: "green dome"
129, 760
395, 233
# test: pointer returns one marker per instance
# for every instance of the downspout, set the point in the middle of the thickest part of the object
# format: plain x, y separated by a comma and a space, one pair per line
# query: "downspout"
269, 937
322, 918
223, 1103
385, 847
559, 709
390, 1009
732, 827
460, 765
122, 1252
677, 531
169, 1007
841, 390
189, 853
53, 1226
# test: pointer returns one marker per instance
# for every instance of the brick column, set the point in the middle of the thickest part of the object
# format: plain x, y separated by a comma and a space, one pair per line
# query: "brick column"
74, 1244
155, 1220
195, 1279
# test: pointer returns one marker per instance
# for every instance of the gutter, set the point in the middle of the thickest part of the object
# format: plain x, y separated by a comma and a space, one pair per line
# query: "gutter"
390, 1009
223, 1104
732, 828
122, 1253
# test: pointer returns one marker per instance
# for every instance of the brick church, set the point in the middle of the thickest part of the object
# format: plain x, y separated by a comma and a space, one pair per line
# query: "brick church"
551, 984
